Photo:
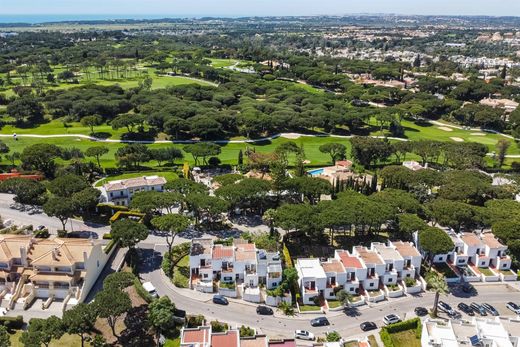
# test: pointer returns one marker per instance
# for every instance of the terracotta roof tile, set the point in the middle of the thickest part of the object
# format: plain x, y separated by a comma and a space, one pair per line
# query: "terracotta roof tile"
199, 335
227, 339
406, 249
471, 239
220, 252
256, 341
333, 266
490, 240
349, 261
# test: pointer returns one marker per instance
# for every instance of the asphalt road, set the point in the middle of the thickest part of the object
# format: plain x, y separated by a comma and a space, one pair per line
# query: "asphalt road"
344, 322
53, 224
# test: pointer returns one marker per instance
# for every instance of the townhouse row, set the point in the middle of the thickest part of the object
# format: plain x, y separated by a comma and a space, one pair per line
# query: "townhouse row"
237, 270
476, 256
371, 274
48, 269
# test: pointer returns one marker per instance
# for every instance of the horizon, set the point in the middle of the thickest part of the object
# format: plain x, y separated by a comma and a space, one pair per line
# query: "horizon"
136, 9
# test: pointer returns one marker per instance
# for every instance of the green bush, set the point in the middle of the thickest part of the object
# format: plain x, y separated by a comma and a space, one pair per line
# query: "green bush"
195, 321
107, 236
62, 233
218, 327
287, 257
412, 324
109, 246
141, 291
166, 264
246, 331
386, 338
42, 234
409, 281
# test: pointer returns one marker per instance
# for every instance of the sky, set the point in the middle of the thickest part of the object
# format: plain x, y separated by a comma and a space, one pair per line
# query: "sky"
140, 8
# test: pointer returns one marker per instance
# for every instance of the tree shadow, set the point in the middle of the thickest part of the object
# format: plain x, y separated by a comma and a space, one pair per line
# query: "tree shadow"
101, 135
352, 312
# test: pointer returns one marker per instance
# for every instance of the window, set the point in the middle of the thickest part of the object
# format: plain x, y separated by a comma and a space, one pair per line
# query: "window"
483, 263
504, 265
371, 285
460, 261
153, 188
331, 294
111, 194
390, 280
205, 275
351, 290
121, 193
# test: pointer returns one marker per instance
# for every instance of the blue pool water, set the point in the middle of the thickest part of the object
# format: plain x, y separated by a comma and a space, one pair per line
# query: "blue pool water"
315, 172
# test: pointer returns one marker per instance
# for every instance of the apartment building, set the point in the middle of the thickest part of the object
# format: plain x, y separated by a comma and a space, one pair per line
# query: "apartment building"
204, 337
312, 279
48, 269
374, 265
120, 192
495, 332
355, 270
236, 270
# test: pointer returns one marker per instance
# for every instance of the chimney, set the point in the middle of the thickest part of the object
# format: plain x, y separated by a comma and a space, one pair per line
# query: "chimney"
23, 256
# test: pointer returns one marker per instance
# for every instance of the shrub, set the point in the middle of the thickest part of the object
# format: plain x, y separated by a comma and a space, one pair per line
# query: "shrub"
107, 236
316, 300
287, 257
409, 281
141, 291
386, 338
62, 233
246, 331
109, 246
412, 324
42, 234
333, 336
218, 327
195, 321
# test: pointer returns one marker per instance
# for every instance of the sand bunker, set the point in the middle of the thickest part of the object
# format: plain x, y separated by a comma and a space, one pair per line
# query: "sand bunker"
457, 139
290, 136
445, 128
478, 134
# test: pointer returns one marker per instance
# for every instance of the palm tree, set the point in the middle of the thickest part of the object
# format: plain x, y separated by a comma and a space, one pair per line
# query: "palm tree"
344, 297
436, 283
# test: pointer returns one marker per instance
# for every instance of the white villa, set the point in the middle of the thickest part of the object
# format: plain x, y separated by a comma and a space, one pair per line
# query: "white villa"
48, 269
234, 271
120, 192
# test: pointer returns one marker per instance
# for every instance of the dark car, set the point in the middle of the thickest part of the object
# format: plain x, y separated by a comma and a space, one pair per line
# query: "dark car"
466, 309
220, 300
367, 326
421, 311
319, 322
478, 309
490, 309
264, 310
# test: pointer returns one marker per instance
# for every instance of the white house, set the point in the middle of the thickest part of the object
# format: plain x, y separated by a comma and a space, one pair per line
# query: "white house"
356, 272
375, 266
312, 279
120, 192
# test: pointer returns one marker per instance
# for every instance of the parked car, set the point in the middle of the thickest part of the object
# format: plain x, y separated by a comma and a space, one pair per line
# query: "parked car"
421, 311
466, 309
391, 319
319, 322
304, 335
444, 307
220, 300
264, 310
367, 326
490, 309
148, 286
478, 309
513, 307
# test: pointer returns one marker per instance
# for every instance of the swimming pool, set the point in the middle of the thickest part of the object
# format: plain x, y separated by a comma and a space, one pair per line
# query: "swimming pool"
316, 172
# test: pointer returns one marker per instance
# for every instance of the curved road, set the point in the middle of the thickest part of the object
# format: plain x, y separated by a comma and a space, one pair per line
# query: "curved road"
345, 322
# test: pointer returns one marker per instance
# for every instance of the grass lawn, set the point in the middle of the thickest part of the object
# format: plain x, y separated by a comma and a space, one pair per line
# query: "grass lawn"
173, 343
372, 340
445, 270
169, 175
181, 276
334, 303
406, 338
309, 308
486, 271
351, 344
219, 63
374, 293
65, 341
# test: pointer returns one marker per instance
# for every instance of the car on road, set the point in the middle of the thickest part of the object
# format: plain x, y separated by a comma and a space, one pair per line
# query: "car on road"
466, 309
148, 286
367, 326
304, 335
220, 300
490, 309
478, 309
41, 227
391, 319
264, 310
319, 322
420, 311
513, 307
444, 307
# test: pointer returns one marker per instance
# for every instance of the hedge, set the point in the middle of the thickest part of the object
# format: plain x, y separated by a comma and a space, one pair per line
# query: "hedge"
107, 236
141, 291
109, 246
125, 214
287, 257
14, 323
412, 324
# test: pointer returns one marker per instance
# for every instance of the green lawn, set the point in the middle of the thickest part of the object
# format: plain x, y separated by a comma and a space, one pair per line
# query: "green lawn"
173, 343
66, 341
220, 63
181, 276
372, 340
486, 271
309, 308
169, 175
445, 270
334, 303
406, 338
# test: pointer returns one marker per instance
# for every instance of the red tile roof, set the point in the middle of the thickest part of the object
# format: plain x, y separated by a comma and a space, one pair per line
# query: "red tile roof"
350, 261
200, 335
282, 343
227, 339
333, 266
220, 252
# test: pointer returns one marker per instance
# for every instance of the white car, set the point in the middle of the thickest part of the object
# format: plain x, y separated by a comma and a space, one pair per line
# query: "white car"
148, 286
303, 335
513, 307
391, 319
